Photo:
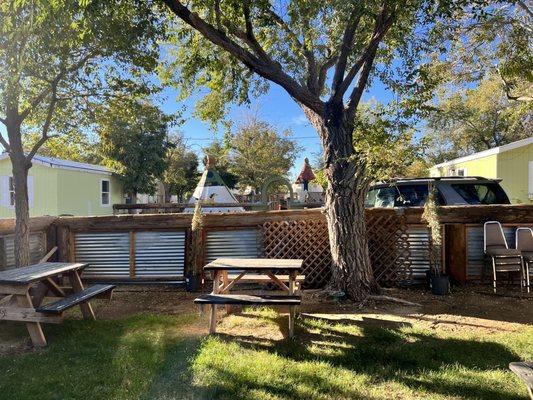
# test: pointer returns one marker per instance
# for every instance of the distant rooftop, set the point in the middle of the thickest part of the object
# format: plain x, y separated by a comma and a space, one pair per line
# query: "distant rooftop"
64, 164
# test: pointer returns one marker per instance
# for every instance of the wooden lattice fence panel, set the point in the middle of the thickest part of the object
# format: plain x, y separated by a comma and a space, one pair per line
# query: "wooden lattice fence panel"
307, 240
388, 246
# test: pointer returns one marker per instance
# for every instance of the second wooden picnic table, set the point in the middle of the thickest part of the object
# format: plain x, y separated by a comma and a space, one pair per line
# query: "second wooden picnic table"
22, 291
223, 281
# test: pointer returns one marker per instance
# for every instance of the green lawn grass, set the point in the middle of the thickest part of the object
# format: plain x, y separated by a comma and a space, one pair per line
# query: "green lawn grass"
155, 357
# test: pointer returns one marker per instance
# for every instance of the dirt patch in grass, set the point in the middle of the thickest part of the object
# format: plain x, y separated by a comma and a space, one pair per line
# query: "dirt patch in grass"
468, 309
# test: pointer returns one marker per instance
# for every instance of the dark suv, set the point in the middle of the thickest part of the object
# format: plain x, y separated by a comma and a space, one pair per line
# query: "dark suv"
454, 190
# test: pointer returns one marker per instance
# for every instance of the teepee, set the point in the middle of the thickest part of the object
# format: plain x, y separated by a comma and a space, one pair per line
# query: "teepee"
211, 190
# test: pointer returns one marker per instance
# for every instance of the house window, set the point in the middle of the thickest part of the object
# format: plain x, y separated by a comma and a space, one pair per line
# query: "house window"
105, 192
461, 172
11, 191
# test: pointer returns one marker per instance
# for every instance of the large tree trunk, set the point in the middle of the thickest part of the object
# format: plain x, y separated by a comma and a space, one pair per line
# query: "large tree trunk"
20, 167
344, 205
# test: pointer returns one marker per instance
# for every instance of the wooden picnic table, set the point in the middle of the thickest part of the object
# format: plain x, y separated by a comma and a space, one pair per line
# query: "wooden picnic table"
524, 370
223, 281
22, 291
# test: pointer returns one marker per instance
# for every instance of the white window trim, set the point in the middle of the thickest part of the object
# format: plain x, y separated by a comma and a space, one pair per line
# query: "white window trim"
465, 171
109, 192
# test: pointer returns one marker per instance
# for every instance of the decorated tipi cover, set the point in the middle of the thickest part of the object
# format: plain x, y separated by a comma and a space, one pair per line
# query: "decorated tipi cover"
306, 174
212, 190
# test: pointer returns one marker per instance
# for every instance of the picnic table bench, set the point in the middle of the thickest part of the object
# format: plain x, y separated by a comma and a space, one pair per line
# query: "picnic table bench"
260, 269
23, 290
524, 370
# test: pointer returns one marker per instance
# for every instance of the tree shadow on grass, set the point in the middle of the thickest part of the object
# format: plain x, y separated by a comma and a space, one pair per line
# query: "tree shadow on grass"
390, 352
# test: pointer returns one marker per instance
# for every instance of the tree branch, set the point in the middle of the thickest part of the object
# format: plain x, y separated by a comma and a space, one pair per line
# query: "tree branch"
46, 126
53, 85
312, 81
381, 27
323, 72
268, 70
346, 46
5, 144
358, 90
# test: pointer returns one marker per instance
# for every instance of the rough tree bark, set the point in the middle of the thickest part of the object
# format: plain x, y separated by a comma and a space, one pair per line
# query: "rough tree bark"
344, 203
20, 167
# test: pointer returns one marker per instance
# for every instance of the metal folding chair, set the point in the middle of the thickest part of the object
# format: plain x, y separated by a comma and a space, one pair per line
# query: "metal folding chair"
524, 243
503, 258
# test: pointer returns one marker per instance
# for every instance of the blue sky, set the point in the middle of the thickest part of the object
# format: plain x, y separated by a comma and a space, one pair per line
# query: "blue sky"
275, 107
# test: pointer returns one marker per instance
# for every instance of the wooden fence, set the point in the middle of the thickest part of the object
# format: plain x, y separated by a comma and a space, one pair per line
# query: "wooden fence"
147, 247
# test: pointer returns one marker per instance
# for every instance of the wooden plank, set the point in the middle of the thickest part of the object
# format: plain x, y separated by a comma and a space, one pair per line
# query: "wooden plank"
34, 328
74, 299
524, 370
261, 278
456, 250
54, 287
36, 224
244, 299
37, 272
278, 282
254, 264
77, 286
23, 314
213, 316
48, 255
13, 288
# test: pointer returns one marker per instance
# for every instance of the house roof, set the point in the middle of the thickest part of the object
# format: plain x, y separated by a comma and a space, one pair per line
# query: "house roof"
486, 153
65, 164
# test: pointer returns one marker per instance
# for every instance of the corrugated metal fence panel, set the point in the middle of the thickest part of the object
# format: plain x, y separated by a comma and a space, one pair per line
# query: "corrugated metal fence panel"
241, 243
37, 248
476, 255
159, 254
418, 238
108, 254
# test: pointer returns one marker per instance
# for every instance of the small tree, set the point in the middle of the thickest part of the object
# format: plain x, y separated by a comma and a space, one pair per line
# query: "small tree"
133, 135
181, 174
258, 152
56, 57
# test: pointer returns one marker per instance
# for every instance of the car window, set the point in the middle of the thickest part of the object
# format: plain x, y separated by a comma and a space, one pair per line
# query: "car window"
381, 197
400, 196
481, 193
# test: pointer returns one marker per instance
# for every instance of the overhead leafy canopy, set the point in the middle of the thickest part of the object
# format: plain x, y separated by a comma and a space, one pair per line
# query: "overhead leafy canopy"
314, 49
59, 57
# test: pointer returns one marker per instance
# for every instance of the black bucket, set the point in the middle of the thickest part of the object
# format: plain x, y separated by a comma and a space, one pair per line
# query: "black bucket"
440, 285
193, 283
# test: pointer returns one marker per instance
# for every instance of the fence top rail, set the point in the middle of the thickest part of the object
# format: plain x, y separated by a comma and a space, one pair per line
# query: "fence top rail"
507, 214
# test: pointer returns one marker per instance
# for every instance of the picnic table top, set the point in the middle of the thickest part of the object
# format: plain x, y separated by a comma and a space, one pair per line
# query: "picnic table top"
524, 370
37, 272
253, 264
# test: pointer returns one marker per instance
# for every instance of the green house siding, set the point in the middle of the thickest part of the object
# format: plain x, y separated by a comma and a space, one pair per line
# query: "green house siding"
59, 191
80, 193
513, 169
